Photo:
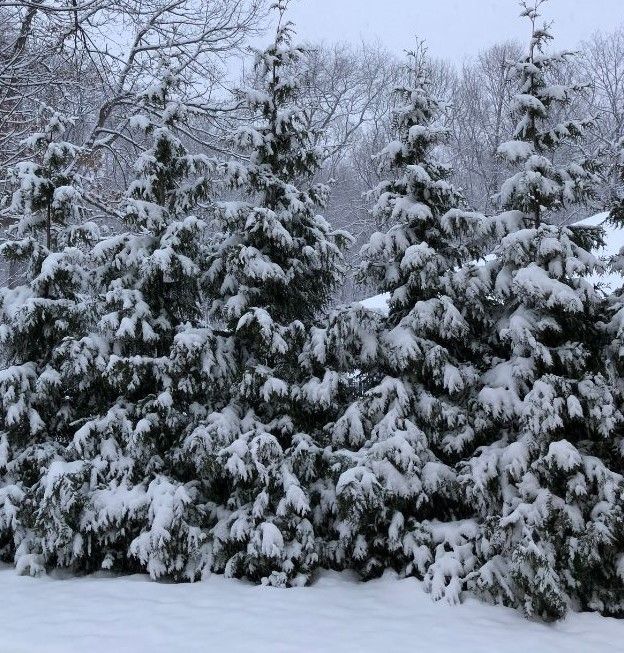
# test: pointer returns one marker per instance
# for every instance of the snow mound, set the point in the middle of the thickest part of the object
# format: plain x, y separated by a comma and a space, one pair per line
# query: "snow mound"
337, 613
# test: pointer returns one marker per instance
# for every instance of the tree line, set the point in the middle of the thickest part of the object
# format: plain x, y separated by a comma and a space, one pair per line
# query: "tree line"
180, 392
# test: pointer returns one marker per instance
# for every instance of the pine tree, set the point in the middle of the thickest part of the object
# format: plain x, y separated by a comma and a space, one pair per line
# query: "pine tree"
46, 306
395, 443
547, 489
272, 272
113, 496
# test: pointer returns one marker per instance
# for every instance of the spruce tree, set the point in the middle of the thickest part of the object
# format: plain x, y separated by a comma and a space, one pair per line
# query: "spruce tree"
546, 489
47, 305
401, 431
271, 273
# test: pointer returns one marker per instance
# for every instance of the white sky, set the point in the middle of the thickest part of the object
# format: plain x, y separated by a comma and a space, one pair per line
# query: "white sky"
453, 29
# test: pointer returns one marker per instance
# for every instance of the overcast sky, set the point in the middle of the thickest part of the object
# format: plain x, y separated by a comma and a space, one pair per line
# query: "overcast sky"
453, 29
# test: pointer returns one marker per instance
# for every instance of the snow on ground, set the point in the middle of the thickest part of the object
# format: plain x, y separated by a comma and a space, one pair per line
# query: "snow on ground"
614, 241
336, 614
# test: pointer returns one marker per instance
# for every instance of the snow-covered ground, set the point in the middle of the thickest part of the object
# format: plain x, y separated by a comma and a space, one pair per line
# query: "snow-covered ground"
614, 241
336, 614
107, 614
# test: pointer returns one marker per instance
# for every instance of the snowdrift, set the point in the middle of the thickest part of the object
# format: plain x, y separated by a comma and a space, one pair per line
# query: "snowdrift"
336, 614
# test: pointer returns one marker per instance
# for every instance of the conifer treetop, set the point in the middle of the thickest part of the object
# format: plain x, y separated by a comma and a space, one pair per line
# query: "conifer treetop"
169, 180
542, 185
277, 254
429, 232
47, 194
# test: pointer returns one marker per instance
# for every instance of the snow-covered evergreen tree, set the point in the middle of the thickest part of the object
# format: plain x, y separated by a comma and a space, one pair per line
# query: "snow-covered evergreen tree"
144, 506
614, 318
45, 307
613, 330
395, 443
112, 494
547, 488
274, 269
